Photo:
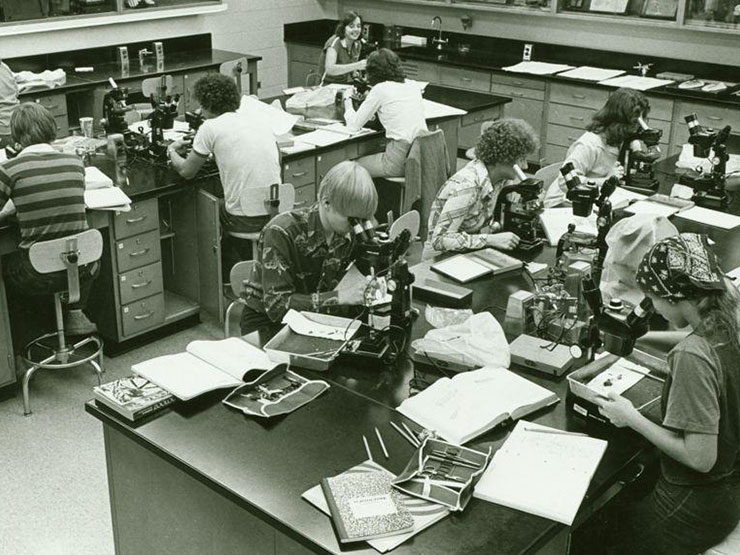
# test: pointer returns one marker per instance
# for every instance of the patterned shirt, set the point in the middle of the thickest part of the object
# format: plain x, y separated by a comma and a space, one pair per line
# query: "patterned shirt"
47, 188
295, 267
462, 210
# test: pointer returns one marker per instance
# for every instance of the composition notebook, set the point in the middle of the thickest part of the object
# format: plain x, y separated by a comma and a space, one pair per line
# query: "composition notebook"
471, 403
472, 265
364, 506
542, 471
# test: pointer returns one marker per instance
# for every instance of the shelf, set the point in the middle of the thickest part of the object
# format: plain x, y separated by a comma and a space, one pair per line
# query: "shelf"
98, 20
177, 307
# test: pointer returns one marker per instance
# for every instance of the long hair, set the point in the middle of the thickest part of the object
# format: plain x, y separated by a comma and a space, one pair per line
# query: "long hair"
347, 18
617, 119
720, 315
384, 65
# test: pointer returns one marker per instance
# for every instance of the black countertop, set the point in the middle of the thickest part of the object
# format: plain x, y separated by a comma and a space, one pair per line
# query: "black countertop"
492, 54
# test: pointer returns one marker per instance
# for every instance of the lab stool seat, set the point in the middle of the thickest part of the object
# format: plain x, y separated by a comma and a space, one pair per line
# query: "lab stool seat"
729, 546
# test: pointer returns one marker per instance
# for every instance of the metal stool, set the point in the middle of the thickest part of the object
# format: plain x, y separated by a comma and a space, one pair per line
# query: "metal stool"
53, 350
239, 273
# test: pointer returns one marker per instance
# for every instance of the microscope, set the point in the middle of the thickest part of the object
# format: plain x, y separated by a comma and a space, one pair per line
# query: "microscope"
638, 153
162, 118
521, 216
115, 108
709, 188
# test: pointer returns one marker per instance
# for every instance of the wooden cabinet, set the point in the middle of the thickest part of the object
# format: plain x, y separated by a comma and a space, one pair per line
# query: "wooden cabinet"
303, 61
463, 78
7, 359
528, 103
710, 115
421, 71
188, 101
470, 125
57, 105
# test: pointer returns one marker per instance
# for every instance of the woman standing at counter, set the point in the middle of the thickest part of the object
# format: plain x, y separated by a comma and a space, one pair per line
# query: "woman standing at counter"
595, 154
400, 108
696, 501
340, 58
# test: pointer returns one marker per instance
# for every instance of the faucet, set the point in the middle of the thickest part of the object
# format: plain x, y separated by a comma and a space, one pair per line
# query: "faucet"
439, 41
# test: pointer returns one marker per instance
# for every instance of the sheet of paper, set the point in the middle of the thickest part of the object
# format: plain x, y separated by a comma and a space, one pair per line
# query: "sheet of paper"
108, 197
713, 218
687, 160
346, 131
436, 110
293, 90
297, 146
321, 137
588, 73
537, 68
622, 197
555, 222
618, 378
272, 115
734, 275
233, 355
96, 179
647, 206
302, 325
635, 82
462, 268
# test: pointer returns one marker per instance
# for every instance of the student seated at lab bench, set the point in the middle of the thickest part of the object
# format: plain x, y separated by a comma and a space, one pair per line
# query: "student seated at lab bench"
340, 58
400, 109
462, 214
47, 189
595, 154
303, 254
246, 153
696, 501
8, 101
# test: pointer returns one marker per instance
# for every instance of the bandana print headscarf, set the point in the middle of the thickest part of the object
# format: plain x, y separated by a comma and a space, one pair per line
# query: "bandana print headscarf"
681, 267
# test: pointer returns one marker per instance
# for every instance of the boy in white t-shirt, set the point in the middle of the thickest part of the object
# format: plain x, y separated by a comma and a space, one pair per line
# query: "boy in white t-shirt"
245, 151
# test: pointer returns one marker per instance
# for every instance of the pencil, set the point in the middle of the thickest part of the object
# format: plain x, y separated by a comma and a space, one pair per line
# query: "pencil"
559, 432
403, 434
380, 440
412, 434
645, 405
367, 449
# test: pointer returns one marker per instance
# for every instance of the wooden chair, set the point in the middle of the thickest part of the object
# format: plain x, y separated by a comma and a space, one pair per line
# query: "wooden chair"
239, 273
52, 350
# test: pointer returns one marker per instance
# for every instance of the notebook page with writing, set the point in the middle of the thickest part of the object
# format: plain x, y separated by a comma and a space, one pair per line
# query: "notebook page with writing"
233, 356
544, 473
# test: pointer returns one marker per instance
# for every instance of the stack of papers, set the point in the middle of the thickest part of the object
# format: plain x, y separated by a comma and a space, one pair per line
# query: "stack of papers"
635, 82
555, 223
706, 216
273, 114
108, 198
588, 73
95, 179
537, 68
647, 206
330, 135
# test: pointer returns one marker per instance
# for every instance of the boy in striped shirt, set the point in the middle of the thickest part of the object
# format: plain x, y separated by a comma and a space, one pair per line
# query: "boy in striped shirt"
47, 189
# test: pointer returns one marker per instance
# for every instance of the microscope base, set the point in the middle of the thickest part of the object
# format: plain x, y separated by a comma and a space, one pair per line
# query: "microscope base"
648, 187
529, 246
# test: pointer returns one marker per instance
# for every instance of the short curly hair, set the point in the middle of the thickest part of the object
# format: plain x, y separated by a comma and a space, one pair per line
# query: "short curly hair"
384, 65
217, 93
506, 141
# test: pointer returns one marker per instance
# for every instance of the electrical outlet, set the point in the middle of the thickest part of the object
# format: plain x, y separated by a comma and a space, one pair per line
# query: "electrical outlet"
527, 53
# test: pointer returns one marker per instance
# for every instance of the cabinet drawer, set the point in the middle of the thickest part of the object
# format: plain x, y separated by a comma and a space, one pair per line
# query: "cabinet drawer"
55, 103
554, 153
465, 78
572, 116
305, 53
421, 71
517, 92
478, 117
139, 283
661, 108
709, 115
561, 135
517, 81
575, 95
664, 126
143, 216
305, 196
138, 251
300, 172
327, 160
142, 315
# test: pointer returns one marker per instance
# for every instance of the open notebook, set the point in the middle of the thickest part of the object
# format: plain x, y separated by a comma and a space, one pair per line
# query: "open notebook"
471, 403
542, 471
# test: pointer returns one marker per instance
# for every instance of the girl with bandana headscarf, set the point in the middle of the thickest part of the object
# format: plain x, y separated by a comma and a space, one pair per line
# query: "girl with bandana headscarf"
696, 501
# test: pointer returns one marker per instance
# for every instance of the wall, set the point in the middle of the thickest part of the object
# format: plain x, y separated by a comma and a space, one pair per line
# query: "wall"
601, 35
248, 26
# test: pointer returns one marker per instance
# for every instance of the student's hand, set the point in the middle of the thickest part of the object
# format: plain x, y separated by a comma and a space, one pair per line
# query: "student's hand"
351, 293
618, 410
179, 145
361, 65
618, 170
504, 241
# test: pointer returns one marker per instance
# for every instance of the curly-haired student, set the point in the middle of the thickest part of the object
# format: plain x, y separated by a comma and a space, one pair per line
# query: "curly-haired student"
594, 154
461, 217
400, 108
696, 500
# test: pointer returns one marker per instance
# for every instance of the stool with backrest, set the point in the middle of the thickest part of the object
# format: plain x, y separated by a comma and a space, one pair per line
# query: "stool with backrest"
426, 170
548, 174
240, 272
53, 350
236, 69
268, 200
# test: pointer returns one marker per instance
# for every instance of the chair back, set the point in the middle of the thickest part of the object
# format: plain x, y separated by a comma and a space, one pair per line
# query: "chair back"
427, 169
551, 195
153, 85
236, 69
67, 253
268, 200
410, 220
239, 273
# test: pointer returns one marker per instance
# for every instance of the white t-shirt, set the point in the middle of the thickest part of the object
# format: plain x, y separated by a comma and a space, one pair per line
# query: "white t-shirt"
246, 154
399, 106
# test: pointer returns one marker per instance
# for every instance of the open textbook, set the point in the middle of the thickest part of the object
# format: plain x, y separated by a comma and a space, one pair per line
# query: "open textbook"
471, 403
542, 471
204, 366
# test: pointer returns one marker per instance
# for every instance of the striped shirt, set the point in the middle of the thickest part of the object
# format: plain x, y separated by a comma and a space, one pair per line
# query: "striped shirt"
47, 188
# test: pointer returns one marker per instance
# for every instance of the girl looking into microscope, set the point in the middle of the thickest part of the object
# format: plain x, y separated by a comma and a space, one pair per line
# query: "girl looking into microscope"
594, 154
696, 501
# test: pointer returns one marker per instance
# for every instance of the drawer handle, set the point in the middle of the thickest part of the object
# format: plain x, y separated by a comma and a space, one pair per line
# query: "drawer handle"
299, 174
576, 118
518, 94
571, 138
135, 220
140, 285
466, 79
715, 118
139, 253
144, 316
518, 83
579, 96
